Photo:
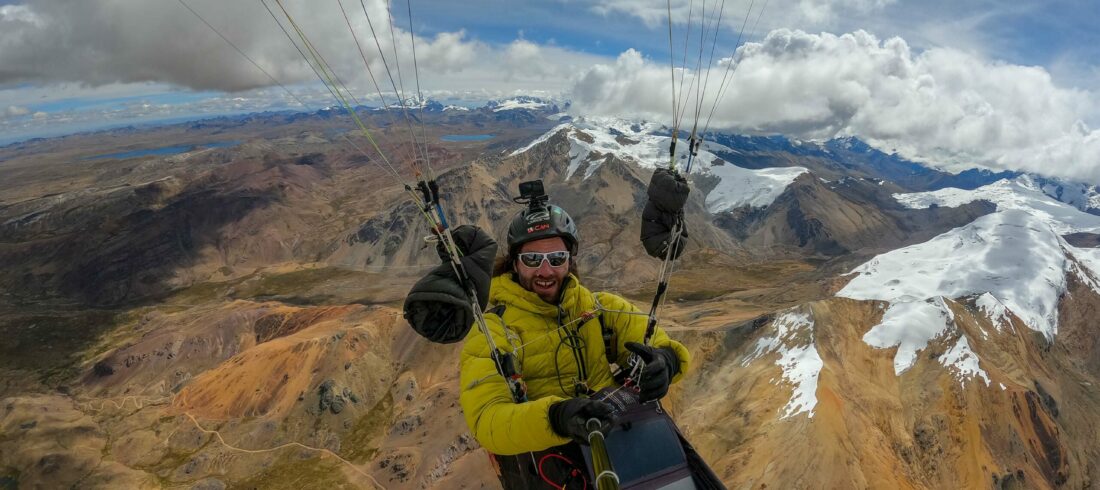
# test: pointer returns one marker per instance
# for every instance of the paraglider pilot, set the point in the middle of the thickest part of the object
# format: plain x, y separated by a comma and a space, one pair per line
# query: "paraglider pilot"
566, 340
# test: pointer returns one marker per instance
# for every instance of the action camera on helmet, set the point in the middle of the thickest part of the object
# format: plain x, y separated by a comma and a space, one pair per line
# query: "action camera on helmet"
532, 194
540, 219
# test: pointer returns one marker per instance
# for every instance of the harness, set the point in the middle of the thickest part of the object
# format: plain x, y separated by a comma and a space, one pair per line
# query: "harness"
650, 449
610, 346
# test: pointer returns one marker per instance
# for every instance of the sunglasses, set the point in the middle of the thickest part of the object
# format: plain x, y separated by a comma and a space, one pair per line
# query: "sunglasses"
534, 259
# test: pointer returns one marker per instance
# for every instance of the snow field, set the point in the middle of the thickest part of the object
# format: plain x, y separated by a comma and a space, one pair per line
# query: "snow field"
798, 358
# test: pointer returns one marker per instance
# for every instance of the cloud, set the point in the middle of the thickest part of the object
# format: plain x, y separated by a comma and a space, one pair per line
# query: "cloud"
942, 106
655, 13
19, 14
16, 111
630, 87
523, 57
827, 11
103, 42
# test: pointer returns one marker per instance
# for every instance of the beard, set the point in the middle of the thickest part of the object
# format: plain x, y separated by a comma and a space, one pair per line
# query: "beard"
546, 287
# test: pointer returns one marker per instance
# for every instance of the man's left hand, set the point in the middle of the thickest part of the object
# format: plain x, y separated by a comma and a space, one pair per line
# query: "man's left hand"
661, 365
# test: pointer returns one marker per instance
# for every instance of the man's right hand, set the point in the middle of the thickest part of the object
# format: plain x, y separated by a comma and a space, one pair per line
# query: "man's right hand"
478, 250
569, 418
438, 306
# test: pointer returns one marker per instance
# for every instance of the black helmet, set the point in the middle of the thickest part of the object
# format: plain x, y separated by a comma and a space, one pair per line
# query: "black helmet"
540, 220
543, 222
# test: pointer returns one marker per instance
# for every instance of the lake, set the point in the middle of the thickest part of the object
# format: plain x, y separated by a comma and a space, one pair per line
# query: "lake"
162, 151
466, 137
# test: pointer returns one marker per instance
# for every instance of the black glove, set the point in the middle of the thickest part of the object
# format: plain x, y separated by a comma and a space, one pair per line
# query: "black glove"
668, 191
661, 364
438, 306
569, 418
478, 250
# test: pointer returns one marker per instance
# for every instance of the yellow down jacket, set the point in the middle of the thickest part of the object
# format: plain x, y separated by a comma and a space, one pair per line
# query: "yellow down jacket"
529, 328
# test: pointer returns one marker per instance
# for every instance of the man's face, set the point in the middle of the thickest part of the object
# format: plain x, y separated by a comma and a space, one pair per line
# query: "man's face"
544, 279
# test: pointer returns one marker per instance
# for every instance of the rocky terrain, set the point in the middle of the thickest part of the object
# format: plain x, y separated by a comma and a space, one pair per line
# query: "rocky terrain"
229, 316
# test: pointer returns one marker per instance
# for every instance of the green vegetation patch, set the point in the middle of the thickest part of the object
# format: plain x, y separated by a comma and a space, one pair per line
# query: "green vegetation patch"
175, 457
9, 478
51, 344
701, 283
123, 330
306, 287
200, 293
297, 284
292, 472
356, 446
701, 295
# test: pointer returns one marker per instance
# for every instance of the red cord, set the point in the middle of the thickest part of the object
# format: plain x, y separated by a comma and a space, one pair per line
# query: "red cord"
574, 472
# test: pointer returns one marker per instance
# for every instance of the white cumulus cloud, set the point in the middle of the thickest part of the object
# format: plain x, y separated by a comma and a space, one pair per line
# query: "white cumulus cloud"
800, 12
941, 105
16, 111
135, 41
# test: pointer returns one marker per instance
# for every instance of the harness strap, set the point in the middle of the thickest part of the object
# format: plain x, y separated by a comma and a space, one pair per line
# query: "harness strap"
610, 346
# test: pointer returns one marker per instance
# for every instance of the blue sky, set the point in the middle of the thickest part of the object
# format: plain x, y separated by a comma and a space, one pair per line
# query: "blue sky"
566, 24
71, 65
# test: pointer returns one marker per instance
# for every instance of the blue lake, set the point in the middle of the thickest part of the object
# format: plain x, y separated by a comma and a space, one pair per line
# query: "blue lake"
466, 137
163, 151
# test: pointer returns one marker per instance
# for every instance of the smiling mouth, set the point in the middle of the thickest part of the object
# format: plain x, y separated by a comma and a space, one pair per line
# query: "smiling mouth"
544, 284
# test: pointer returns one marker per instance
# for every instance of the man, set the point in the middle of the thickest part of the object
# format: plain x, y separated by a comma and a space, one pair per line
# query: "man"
562, 357
564, 339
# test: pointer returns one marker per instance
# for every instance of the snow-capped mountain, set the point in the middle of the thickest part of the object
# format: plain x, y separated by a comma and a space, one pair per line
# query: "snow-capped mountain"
592, 140
1022, 193
1013, 255
1085, 197
847, 157
1013, 261
416, 103
522, 102
780, 209
430, 105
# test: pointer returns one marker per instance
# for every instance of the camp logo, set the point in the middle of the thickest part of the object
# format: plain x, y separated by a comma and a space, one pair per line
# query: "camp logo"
538, 216
538, 227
